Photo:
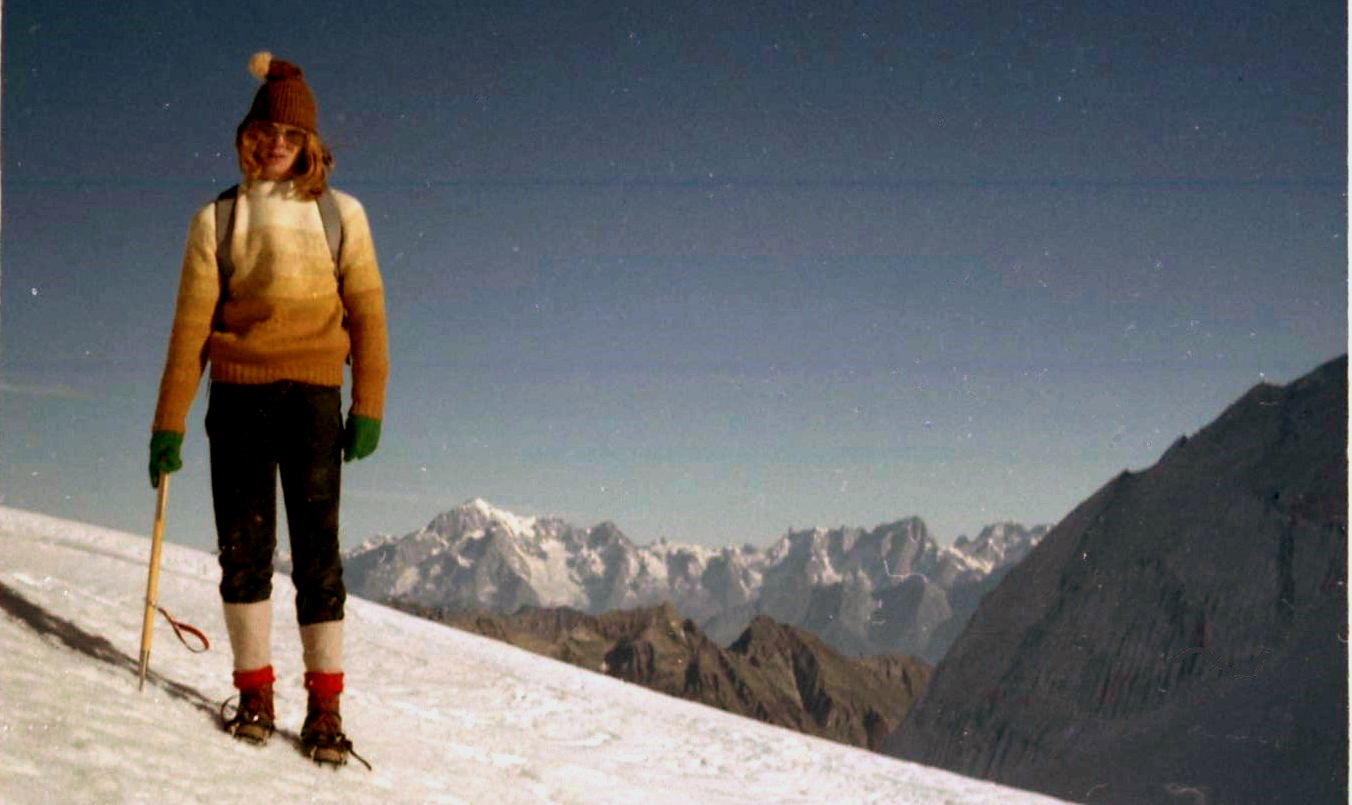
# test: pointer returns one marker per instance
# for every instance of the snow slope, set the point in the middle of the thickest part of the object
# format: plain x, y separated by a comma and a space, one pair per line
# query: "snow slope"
443, 716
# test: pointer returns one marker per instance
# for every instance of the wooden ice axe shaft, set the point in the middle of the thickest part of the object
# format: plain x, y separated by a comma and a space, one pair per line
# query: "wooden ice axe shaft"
153, 580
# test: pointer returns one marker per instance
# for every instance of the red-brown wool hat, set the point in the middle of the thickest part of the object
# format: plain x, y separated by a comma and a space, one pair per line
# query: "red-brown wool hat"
284, 98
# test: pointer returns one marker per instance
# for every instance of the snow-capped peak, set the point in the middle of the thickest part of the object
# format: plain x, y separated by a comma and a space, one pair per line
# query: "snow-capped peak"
476, 517
517, 525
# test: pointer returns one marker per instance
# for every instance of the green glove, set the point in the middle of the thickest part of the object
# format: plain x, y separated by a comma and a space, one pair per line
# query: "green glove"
164, 454
361, 437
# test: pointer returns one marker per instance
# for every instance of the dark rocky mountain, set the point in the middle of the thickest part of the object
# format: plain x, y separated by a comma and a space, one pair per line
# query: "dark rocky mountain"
774, 673
1181, 636
892, 589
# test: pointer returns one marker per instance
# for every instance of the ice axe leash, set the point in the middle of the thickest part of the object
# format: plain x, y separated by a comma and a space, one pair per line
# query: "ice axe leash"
152, 590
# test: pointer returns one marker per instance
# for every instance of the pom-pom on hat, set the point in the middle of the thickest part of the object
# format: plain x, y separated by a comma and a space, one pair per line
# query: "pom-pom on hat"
284, 98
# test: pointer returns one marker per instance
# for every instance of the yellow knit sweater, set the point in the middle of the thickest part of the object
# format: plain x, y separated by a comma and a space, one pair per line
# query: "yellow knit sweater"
282, 318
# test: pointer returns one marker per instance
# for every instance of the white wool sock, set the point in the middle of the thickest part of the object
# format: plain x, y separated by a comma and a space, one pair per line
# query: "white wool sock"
250, 629
323, 646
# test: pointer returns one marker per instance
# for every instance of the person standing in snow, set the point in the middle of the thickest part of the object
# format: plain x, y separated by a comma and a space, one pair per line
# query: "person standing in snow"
277, 320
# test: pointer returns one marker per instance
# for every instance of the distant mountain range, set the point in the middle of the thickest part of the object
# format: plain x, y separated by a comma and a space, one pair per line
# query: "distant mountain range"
1181, 636
891, 590
773, 673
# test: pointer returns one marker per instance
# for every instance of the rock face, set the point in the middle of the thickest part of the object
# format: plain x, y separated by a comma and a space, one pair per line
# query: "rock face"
774, 673
1182, 634
893, 589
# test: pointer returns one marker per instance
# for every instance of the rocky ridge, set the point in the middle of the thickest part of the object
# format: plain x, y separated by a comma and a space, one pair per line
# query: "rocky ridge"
1182, 633
773, 672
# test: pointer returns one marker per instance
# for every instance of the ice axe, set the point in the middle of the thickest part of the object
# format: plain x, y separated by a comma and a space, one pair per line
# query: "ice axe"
153, 580
152, 589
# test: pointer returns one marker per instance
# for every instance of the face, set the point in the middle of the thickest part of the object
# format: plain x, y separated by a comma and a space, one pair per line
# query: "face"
277, 148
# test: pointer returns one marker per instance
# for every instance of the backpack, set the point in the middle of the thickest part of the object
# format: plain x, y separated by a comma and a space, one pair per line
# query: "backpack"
225, 225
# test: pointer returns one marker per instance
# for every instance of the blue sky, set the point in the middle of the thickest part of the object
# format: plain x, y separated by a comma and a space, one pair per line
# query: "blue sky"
709, 274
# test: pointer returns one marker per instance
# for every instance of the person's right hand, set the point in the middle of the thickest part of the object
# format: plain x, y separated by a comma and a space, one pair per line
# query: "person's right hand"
164, 454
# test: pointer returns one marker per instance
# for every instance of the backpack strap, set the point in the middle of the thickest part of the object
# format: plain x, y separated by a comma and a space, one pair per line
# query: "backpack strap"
225, 224
333, 232
329, 215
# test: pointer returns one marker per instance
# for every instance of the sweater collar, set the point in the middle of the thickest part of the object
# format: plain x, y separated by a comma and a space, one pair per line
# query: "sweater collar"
274, 189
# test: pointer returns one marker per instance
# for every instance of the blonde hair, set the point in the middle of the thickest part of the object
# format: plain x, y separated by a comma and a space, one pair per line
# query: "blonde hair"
313, 164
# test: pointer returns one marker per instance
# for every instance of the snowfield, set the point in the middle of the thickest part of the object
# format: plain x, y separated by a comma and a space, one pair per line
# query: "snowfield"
442, 715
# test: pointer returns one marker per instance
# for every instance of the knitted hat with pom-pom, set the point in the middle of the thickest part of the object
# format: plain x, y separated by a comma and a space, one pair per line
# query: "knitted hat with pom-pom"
284, 98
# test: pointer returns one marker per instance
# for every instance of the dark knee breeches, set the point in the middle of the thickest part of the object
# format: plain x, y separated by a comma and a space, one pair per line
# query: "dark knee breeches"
256, 432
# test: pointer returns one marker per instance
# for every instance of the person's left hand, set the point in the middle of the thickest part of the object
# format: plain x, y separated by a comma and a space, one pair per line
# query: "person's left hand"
360, 437
165, 446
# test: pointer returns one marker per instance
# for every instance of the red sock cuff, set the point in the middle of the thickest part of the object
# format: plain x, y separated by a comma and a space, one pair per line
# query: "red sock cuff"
321, 683
255, 679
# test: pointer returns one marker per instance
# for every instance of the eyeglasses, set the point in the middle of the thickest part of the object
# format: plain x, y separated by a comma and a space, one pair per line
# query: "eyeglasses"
271, 131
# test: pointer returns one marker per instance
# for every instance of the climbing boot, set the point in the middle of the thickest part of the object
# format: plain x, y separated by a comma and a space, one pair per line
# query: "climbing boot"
254, 720
321, 738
